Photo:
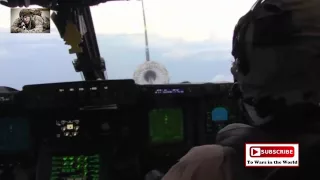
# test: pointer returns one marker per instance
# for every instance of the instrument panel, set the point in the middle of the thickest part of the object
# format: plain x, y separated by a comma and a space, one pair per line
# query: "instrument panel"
111, 129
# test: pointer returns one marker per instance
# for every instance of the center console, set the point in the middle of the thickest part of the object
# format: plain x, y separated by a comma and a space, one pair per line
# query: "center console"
103, 130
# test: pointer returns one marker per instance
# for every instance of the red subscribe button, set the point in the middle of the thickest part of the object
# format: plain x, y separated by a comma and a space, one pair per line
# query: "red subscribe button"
272, 151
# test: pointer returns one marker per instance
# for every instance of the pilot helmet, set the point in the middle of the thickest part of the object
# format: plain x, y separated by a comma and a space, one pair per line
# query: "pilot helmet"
274, 72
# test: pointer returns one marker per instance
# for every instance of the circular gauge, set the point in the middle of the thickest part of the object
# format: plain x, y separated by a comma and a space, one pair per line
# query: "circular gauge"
219, 114
151, 72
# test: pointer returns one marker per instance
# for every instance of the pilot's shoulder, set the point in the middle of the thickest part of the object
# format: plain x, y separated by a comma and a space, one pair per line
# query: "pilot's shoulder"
236, 135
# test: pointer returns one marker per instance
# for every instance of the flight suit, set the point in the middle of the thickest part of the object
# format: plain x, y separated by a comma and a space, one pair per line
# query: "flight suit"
221, 161
225, 160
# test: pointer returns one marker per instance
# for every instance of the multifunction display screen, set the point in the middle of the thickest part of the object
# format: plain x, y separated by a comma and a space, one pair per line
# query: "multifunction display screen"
83, 167
14, 135
166, 125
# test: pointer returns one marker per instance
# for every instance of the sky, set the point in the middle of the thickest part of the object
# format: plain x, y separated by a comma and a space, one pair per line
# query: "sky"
192, 39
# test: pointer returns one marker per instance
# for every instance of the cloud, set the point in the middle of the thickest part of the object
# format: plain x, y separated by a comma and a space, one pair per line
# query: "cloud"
160, 48
184, 19
39, 61
222, 78
206, 53
3, 52
191, 38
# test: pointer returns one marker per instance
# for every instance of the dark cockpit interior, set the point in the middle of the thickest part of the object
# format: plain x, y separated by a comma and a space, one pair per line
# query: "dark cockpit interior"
101, 129
108, 129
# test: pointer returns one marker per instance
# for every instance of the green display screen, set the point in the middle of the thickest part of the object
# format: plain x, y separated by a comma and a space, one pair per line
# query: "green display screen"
166, 125
75, 167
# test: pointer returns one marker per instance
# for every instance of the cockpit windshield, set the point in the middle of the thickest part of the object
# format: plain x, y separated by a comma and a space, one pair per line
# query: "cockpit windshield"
191, 40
